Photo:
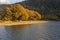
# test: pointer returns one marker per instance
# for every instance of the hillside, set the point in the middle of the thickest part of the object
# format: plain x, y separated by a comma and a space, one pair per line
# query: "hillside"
50, 9
16, 12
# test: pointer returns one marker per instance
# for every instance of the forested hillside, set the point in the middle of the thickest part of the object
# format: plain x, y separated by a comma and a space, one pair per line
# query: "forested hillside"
16, 12
50, 9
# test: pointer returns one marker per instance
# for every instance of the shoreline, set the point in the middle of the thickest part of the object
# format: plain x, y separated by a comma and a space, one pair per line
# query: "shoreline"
10, 23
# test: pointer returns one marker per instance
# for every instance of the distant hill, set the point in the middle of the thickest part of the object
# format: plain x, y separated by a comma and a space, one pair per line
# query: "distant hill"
50, 9
49, 3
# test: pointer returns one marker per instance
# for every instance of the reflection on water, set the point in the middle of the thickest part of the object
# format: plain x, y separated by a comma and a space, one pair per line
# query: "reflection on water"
44, 31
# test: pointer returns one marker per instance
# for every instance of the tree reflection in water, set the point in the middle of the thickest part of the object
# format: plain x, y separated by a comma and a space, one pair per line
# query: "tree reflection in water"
14, 32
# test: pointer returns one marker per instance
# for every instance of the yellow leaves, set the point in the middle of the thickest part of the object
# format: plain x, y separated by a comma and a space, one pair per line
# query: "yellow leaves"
38, 15
33, 15
8, 10
18, 12
17, 15
7, 18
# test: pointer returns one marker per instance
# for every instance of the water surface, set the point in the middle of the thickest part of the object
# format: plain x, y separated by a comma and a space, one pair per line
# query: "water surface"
49, 30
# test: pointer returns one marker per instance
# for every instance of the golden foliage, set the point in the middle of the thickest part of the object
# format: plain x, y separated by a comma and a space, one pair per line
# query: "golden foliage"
8, 15
18, 12
33, 15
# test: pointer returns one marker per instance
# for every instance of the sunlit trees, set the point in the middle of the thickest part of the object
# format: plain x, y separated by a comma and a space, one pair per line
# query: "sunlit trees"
17, 12
24, 15
8, 15
38, 16
33, 15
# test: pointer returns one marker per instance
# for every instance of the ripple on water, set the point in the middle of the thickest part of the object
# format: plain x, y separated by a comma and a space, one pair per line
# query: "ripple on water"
45, 30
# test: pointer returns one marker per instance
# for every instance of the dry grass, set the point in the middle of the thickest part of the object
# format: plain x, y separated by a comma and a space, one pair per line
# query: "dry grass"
10, 23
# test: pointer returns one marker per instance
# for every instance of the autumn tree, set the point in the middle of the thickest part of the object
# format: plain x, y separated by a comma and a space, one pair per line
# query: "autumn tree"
8, 15
17, 12
33, 15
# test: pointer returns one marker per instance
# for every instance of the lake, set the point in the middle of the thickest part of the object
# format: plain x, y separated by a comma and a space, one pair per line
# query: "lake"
48, 30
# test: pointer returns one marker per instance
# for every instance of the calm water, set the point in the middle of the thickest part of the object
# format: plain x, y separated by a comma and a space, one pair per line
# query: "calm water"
49, 30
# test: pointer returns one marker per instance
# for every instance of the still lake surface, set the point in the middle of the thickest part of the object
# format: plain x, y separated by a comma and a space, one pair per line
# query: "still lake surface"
48, 30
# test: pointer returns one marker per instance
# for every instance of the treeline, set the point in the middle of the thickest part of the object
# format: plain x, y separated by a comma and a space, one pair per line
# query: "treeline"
50, 9
17, 12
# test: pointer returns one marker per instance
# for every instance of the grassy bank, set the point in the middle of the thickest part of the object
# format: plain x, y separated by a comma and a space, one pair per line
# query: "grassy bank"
10, 23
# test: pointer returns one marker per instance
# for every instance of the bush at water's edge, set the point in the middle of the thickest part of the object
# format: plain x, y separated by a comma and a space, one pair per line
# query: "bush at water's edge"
17, 12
